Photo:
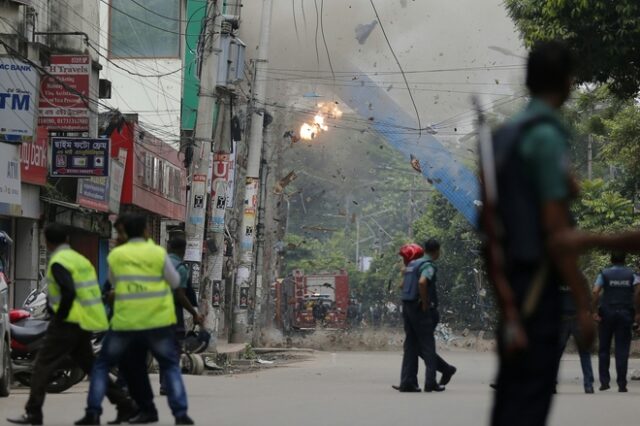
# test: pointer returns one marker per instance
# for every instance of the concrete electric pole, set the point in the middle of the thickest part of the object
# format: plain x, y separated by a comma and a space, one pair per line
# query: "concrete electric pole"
197, 200
240, 325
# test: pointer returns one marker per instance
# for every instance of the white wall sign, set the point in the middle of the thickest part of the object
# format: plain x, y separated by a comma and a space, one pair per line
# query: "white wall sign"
10, 187
18, 100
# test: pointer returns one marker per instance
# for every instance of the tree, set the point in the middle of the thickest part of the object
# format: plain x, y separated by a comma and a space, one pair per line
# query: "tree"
460, 264
604, 34
601, 209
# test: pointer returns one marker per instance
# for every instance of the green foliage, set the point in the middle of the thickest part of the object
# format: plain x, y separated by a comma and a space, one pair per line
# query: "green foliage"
623, 147
458, 265
604, 34
601, 209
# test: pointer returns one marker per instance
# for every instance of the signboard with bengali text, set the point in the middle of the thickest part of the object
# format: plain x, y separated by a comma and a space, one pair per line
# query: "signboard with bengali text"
79, 157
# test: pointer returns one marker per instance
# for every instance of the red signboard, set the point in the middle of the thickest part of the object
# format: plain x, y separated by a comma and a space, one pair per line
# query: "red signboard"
33, 159
62, 109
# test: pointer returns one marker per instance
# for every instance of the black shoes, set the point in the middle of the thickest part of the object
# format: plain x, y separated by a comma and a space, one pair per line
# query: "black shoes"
404, 389
588, 389
622, 388
434, 388
144, 417
184, 420
124, 415
89, 419
446, 377
604, 387
27, 419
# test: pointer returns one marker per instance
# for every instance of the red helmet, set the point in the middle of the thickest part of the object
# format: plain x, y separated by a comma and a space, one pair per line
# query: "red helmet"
411, 252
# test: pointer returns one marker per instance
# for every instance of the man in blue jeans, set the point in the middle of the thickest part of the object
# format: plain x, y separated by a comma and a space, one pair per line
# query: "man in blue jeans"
568, 328
143, 277
176, 249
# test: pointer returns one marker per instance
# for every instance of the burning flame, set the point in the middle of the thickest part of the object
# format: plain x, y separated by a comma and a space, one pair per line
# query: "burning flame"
309, 131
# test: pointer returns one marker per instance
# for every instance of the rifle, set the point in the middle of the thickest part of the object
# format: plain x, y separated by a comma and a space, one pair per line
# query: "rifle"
492, 232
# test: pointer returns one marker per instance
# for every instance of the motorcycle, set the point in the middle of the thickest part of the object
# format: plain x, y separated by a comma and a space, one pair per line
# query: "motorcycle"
27, 338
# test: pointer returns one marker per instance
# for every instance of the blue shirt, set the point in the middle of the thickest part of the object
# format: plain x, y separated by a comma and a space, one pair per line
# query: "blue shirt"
177, 263
600, 280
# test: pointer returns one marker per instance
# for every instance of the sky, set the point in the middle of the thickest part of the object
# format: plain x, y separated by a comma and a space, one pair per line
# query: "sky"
443, 47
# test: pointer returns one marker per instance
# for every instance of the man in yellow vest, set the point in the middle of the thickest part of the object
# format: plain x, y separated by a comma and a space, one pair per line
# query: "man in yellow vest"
76, 306
143, 278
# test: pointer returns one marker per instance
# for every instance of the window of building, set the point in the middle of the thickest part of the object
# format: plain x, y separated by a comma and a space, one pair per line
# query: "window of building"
144, 29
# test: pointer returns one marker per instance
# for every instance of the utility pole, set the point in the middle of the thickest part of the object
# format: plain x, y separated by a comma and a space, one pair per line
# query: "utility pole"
252, 184
197, 199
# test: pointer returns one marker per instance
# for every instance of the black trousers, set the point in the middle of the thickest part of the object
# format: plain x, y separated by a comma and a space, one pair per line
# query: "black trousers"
526, 380
419, 341
616, 324
64, 340
133, 371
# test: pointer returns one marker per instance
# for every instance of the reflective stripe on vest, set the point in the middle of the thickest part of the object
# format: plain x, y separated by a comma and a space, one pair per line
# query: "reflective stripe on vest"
87, 309
143, 299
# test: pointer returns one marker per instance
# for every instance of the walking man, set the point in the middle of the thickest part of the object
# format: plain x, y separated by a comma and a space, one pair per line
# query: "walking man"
143, 277
420, 314
568, 328
534, 187
75, 302
613, 297
176, 250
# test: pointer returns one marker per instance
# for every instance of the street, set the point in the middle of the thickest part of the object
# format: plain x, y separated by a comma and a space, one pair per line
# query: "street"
354, 388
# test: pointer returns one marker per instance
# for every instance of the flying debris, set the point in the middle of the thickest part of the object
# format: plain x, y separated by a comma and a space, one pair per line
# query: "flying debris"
292, 136
415, 163
285, 181
363, 31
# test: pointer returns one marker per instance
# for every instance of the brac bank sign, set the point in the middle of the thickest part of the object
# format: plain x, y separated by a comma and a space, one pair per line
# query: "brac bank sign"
18, 100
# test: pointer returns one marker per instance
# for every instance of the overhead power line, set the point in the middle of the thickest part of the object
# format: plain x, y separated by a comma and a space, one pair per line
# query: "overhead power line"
415, 107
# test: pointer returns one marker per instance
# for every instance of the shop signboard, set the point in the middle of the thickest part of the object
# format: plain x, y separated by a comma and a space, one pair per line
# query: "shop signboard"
33, 159
79, 157
18, 97
64, 93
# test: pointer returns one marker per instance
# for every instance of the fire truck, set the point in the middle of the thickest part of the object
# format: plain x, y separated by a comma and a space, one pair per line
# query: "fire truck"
306, 302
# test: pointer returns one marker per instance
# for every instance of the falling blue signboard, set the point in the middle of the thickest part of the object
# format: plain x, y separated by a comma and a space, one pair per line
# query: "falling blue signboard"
79, 157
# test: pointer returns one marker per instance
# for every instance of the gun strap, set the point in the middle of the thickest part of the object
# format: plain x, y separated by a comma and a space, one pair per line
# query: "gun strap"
538, 284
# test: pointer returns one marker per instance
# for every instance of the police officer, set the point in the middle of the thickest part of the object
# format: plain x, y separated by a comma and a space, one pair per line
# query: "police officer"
143, 277
613, 296
75, 302
420, 314
534, 187
568, 328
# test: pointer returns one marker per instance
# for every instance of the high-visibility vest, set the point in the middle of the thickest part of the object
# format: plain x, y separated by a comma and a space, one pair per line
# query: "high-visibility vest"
143, 299
87, 309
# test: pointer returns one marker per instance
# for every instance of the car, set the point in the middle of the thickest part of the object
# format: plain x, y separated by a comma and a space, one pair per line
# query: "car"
5, 339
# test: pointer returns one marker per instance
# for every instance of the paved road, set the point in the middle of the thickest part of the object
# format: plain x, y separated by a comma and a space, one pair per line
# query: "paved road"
354, 389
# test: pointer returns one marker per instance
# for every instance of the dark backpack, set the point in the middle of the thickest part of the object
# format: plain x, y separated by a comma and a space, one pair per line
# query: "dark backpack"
518, 206
189, 291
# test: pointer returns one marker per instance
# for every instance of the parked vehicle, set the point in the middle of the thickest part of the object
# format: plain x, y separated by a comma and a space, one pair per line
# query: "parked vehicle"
5, 339
27, 337
305, 302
